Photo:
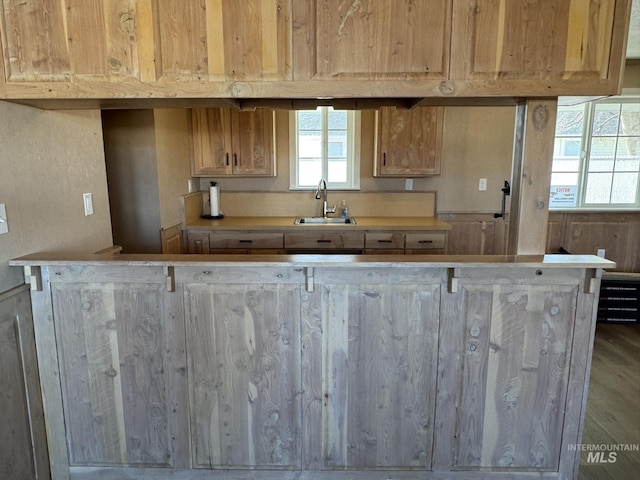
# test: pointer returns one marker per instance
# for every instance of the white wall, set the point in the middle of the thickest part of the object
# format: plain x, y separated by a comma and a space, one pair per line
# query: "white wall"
48, 159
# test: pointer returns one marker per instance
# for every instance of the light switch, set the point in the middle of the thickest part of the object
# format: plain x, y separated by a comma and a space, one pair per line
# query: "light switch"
4, 223
408, 184
482, 185
88, 204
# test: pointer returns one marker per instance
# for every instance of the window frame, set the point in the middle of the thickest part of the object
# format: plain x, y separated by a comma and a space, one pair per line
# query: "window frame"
352, 156
586, 139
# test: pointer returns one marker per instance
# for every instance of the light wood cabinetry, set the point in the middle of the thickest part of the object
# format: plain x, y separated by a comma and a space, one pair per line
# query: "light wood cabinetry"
429, 242
382, 242
168, 41
247, 368
244, 375
561, 46
246, 242
391, 243
229, 142
380, 382
319, 241
141, 51
408, 142
373, 40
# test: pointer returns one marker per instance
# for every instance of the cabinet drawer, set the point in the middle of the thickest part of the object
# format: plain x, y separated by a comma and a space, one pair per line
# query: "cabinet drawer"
323, 241
385, 241
425, 241
246, 240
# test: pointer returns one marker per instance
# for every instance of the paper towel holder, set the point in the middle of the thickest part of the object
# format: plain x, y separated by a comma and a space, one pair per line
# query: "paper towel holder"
213, 217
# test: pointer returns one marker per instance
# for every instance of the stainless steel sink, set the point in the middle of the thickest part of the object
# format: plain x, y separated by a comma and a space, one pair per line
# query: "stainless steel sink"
324, 221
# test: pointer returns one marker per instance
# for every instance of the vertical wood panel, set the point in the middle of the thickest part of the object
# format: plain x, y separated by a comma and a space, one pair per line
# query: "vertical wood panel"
373, 40
244, 370
533, 154
182, 38
142, 361
313, 400
470, 425
16, 452
28, 56
544, 40
381, 351
514, 383
113, 373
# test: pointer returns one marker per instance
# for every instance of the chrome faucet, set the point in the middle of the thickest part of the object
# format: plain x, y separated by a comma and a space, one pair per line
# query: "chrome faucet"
321, 192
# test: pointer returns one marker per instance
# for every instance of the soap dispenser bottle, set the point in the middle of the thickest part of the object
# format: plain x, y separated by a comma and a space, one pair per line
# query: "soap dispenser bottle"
344, 212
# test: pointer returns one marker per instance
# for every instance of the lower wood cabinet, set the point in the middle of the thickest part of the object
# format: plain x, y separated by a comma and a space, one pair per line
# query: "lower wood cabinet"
344, 241
250, 368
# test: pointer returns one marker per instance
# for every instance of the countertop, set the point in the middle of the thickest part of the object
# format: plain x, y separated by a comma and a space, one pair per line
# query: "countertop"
286, 224
302, 261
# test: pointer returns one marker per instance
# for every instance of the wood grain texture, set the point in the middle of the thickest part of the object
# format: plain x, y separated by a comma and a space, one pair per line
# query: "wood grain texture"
253, 137
408, 142
517, 342
23, 446
518, 40
111, 340
244, 362
372, 40
533, 153
379, 378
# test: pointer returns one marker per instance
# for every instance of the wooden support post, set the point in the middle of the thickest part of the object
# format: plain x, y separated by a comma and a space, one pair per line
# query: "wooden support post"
532, 158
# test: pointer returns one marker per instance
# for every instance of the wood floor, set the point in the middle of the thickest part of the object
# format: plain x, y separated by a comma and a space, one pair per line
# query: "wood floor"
613, 407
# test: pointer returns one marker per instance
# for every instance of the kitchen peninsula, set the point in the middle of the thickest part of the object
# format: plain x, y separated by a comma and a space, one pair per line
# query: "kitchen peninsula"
313, 366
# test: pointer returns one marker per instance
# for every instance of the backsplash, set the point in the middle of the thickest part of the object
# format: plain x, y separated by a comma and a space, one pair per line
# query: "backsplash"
272, 204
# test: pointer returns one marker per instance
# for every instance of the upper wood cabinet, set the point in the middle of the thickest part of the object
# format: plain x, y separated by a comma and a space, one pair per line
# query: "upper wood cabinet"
373, 40
409, 142
529, 47
241, 49
230, 142
145, 40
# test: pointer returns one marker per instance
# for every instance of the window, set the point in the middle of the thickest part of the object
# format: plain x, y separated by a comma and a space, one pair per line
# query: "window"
325, 144
596, 157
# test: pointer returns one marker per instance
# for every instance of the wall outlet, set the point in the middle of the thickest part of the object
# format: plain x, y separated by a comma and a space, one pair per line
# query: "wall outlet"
88, 204
4, 223
408, 184
482, 185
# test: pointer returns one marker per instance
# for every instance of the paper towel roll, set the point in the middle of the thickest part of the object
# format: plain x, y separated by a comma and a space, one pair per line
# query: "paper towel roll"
214, 201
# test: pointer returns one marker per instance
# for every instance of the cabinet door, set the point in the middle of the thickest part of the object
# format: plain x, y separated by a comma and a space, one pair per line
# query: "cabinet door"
224, 40
211, 134
535, 46
115, 349
514, 343
252, 139
370, 39
380, 384
244, 374
409, 142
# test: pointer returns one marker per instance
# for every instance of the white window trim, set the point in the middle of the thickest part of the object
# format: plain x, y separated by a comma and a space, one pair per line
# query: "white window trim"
582, 173
353, 155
